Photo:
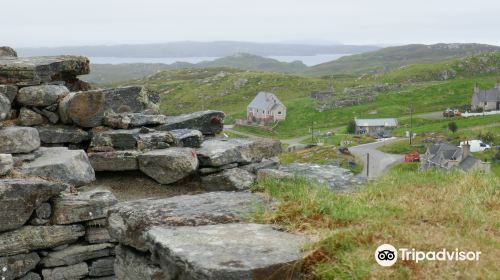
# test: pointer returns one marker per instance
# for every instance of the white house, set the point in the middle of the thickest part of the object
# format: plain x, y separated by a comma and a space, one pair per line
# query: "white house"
266, 107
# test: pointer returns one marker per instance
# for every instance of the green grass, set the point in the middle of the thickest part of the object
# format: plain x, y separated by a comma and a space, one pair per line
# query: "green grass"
404, 147
406, 208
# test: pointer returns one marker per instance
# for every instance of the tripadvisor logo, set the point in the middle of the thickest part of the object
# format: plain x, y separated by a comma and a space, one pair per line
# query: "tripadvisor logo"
387, 255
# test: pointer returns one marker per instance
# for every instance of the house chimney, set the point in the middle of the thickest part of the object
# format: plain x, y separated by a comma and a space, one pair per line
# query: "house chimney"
465, 150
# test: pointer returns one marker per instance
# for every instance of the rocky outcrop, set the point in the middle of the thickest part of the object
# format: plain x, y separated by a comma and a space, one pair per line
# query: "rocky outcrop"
16, 139
7, 52
84, 206
61, 164
19, 197
41, 96
227, 251
129, 222
208, 122
168, 165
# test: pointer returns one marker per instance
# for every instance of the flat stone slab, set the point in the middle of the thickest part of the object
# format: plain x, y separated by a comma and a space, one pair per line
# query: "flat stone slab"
84, 206
168, 165
19, 197
208, 122
115, 160
77, 253
95, 235
59, 134
102, 267
36, 70
30, 238
18, 139
234, 179
61, 164
132, 265
13, 267
187, 137
227, 251
42, 95
31, 276
129, 221
218, 152
128, 120
76, 271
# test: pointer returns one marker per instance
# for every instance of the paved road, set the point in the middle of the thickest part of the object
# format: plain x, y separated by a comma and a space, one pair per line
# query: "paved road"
380, 162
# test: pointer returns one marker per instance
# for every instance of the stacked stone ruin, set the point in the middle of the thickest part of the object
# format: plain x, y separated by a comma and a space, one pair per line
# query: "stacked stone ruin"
56, 133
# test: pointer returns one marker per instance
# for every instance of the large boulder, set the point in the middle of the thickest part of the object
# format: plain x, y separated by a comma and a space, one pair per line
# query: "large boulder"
77, 253
168, 165
84, 206
87, 108
42, 95
187, 137
5, 106
13, 267
30, 238
218, 152
128, 120
208, 122
61, 134
16, 139
7, 52
19, 197
227, 251
29, 117
9, 91
132, 265
61, 164
234, 179
114, 161
129, 221
6, 164
76, 271
37, 70
129, 139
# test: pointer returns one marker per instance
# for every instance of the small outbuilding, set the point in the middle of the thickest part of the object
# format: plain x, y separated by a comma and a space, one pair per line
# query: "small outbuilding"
375, 126
486, 100
266, 108
447, 157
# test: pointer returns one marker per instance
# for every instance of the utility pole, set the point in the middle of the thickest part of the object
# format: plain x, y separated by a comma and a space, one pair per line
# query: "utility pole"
367, 165
312, 132
411, 122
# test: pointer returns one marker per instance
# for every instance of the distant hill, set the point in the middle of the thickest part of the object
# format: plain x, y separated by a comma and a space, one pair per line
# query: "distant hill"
197, 49
390, 58
112, 73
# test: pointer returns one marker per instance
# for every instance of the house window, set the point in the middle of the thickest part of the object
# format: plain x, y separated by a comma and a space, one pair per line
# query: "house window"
279, 112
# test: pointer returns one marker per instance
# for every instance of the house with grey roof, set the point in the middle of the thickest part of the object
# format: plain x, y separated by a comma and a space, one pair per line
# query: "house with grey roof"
448, 157
266, 108
486, 100
375, 126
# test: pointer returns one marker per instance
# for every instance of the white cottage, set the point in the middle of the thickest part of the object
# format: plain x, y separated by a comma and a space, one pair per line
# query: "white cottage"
266, 107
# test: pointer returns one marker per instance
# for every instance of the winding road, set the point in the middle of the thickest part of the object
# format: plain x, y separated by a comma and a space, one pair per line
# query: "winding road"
380, 162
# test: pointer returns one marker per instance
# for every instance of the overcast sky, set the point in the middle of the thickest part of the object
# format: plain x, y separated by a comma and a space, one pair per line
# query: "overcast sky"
34, 23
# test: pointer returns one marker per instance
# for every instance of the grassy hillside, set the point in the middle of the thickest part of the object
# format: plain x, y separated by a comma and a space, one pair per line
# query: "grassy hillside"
427, 211
247, 61
393, 57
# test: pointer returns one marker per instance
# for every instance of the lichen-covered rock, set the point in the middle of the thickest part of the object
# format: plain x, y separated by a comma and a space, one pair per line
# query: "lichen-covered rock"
13, 267
168, 165
77, 271
9, 91
7, 52
77, 253
187, 137
19, 197
61, 164
97, 235
211, 170
6, 164
218, 152
31, 276
51, 116
36, 70
5, 106
114, 161
29, 117
41, 96
102, 267
129, 221
208, 122
132, 265
30, 238
87, 108
17, 139
154, 140
61, 134
84, 206
227, 251
234, 179
264, 164
128, 120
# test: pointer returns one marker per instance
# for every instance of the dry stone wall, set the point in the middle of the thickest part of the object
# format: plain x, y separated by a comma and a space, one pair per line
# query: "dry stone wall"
56, 133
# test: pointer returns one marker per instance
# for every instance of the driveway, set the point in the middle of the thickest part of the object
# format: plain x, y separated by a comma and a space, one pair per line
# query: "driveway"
380, 162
